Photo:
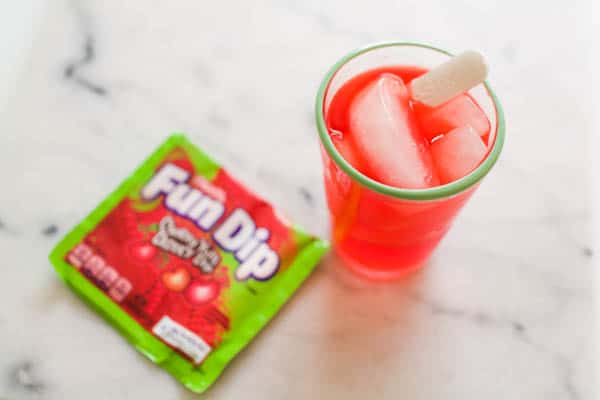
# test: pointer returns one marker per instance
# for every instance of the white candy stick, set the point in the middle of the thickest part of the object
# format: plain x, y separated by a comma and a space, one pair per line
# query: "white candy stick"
450, 79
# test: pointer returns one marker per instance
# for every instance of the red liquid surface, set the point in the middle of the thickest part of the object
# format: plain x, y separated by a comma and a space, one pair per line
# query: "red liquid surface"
379, 236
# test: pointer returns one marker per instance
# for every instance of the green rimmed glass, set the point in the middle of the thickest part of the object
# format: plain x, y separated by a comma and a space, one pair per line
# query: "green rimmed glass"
416, 219
409, 194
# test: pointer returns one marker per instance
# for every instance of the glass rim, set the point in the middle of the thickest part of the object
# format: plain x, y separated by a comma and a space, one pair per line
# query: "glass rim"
433, 193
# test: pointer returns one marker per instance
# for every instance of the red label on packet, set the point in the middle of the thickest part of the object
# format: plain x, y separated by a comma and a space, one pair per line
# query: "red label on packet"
186, 262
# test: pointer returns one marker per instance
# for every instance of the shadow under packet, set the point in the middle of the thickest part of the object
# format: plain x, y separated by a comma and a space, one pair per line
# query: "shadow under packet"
185, 262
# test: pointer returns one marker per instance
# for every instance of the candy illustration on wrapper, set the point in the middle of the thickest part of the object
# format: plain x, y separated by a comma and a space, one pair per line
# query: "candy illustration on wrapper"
202, 292
186, 262
176, 280
142, 250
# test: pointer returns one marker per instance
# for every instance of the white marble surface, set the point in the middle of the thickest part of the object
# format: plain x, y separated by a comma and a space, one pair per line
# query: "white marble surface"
505, 308
19, 24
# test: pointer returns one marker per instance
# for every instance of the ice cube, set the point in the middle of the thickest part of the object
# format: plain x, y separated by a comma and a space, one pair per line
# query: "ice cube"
458, 112
457, 153
387, 136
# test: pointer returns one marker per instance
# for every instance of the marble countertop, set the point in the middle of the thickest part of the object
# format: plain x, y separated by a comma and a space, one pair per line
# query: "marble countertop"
19, 24
504, 309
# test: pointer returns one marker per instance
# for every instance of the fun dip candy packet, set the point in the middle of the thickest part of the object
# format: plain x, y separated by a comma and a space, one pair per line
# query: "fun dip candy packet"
185, 262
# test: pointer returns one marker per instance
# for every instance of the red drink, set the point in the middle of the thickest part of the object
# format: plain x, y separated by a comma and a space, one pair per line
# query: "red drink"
388, 215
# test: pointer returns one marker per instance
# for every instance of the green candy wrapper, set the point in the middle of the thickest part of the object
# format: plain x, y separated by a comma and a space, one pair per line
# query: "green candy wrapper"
185, 262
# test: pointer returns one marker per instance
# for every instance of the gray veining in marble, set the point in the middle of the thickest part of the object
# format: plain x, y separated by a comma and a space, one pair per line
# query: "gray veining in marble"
502, 311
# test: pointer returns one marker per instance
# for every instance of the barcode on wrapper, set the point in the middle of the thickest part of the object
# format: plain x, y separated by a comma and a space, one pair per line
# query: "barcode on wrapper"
182, 339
